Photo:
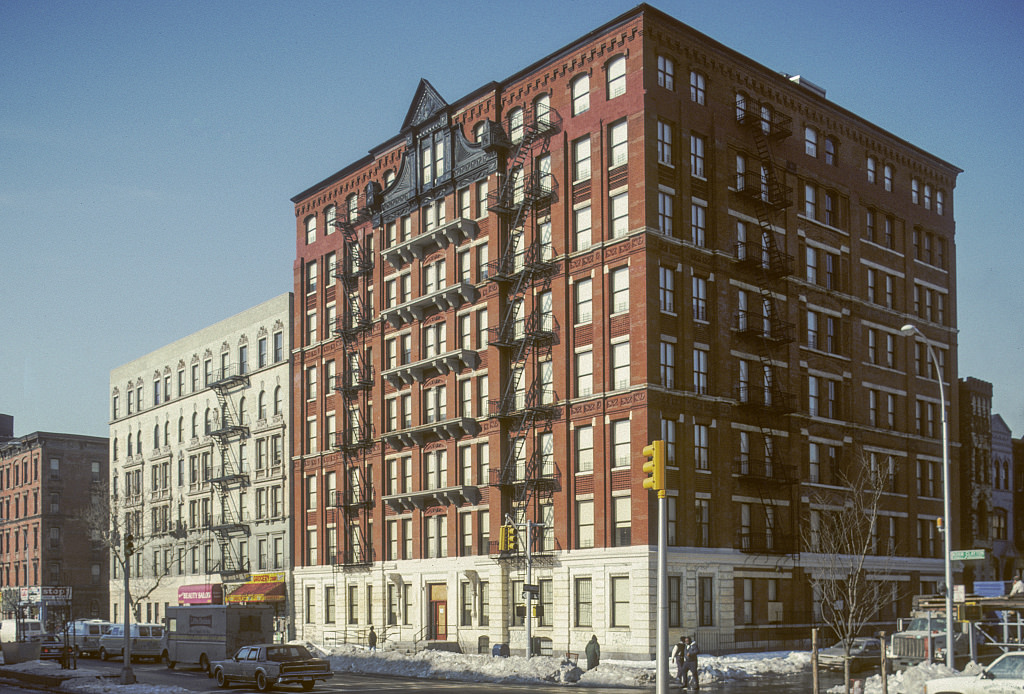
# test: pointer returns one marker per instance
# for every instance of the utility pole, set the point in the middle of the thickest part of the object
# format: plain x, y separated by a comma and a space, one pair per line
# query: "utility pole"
127, 674
529, 592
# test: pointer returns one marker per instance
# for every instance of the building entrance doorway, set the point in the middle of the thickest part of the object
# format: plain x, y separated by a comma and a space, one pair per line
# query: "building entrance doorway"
438, 630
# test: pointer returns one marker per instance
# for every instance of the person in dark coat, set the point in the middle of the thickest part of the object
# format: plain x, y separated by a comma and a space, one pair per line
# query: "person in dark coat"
678, 653
593, 653
690, 663
372, 639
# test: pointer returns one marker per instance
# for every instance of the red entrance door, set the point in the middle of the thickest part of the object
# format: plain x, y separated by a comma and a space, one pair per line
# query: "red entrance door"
439, 611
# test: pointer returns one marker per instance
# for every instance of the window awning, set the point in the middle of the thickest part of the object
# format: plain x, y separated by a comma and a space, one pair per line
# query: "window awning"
269, 591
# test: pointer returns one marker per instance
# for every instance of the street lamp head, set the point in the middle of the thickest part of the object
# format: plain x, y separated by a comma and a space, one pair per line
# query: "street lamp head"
909, 329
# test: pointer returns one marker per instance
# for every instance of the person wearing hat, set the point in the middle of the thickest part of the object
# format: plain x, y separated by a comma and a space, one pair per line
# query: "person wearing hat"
690, 663
593, 652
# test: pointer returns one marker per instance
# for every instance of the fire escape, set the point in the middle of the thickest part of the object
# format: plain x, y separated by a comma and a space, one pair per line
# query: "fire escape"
526, 329
763, 396
229, 477
354, 383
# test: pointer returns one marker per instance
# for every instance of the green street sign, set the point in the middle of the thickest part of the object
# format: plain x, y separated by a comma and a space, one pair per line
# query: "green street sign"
966, 554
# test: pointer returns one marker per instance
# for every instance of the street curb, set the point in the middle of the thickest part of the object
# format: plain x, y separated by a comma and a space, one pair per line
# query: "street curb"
48, 683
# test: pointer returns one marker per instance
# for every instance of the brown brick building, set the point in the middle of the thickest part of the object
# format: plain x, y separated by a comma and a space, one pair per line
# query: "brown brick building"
46, 481
644, 235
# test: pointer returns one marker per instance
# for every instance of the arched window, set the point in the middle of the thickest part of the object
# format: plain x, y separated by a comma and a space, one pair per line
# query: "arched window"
241, 411
181, 429
542, 111
515, 124
580, 89
115, 448
195, 424
138, 442
129, 444
615, 71
167, 432
277, 400
389, 177
261, 405
156, 436
352, 203
330, 217
206, 422
310, 229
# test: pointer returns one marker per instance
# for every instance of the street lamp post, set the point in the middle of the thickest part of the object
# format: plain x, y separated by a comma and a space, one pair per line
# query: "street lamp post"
910, 330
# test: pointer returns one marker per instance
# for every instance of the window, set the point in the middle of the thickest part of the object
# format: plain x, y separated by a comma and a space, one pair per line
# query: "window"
700, 298
915, 193
887, 178
581, 159
872, 166
666, 289
618, 212
580, 91
583, 602
700, 370
620, 601
810, 142
698, 224
668, 364
620, 365
703, 517
830, 152
701, 447
515, 124
621, 521
584, 373
810, 201
619, 443
616, 75
618, 280
618, 144
585, 524
310, 229
666, 73
697, 88
697, 147
705, 601
581, 227
584, 448
665, 143
665, 205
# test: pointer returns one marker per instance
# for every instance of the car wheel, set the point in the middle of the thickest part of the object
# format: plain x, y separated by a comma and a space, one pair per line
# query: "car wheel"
261, 682
103, 654
308, 686
204, 665
222, 681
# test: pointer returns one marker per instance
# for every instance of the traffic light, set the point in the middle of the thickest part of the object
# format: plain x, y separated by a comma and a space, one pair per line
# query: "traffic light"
655, 467
507, 538
513, 539
129, 545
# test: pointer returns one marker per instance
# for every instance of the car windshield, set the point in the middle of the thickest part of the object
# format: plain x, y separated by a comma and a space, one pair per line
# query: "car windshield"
1008, 667
282, 654
48, 637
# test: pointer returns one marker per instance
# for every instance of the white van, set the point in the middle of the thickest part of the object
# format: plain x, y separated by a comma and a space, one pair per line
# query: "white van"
84, 635
12, 630
147, 642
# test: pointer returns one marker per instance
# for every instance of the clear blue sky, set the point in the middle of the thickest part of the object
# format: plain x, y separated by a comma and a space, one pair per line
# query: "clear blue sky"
148, 150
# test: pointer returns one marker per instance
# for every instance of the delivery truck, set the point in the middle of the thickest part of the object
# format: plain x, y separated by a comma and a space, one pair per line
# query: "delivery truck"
200, 634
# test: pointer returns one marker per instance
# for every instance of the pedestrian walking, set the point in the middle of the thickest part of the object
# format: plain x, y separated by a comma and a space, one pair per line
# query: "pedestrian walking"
678, 651
372, 639
593, 653
690, 663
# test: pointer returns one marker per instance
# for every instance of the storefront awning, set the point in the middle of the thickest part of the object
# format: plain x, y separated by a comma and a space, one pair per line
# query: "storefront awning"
270, 591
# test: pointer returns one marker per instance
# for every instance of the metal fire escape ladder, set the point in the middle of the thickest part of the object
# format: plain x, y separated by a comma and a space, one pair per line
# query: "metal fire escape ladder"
355, 435
771, 265
524, 332
228, 524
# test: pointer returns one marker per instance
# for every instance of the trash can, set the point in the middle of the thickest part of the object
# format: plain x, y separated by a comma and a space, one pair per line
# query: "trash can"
499, 650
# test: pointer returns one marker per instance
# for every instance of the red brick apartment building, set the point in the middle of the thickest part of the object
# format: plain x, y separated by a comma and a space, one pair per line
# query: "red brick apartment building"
46, 481
644, 235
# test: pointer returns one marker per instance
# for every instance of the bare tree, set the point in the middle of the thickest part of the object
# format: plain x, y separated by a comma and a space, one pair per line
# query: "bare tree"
853, 579
107, 521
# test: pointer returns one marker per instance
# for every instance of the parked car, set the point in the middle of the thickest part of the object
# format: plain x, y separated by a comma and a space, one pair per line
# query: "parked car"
865, 653
268, 664
1006, 673
147, 642
85, 635
51, 647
